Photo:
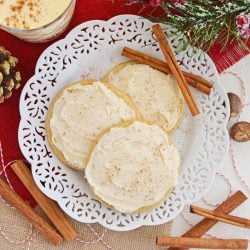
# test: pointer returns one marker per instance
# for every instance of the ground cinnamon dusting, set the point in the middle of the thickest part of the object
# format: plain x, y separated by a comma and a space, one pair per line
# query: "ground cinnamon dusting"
18, 9
31, 5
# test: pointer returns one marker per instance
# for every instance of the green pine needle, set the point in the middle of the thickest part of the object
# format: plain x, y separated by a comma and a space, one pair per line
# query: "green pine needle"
205, 22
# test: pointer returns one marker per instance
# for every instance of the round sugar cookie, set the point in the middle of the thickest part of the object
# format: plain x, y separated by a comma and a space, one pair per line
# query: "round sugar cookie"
79, 113
156, 94
133, 167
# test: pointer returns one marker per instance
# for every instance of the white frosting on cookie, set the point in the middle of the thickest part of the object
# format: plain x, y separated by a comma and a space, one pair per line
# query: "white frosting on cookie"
156, 94
133, 167
80, 114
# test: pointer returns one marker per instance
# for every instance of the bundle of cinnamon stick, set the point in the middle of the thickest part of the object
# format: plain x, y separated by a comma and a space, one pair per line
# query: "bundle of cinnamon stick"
64, 229
191, 238
197, 82
171, 66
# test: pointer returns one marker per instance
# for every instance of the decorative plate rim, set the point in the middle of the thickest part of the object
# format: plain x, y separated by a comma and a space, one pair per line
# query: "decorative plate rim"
23, 112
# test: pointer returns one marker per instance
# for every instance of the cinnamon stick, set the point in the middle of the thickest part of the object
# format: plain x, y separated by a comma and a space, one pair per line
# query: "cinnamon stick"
226, 207
50, 207
187, 242
175, 69
195, 81
15, 200
220, 216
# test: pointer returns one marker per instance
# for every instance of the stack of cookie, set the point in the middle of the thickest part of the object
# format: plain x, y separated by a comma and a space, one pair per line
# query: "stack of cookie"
118, 130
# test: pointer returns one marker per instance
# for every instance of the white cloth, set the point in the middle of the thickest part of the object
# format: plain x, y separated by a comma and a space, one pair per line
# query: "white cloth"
234, 173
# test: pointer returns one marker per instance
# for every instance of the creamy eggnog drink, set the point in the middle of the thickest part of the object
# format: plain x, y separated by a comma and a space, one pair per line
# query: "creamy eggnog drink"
35, 20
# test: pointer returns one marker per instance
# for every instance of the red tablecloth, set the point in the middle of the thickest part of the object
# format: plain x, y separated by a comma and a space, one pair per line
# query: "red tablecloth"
28, 54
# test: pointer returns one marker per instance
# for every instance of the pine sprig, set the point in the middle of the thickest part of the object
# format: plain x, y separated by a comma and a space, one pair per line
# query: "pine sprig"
203, 22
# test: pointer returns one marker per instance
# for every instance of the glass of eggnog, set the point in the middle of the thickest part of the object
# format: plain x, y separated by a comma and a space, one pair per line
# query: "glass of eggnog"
36, 20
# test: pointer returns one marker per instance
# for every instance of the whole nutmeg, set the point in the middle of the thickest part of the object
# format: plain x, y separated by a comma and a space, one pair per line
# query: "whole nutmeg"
235, 104
240, 131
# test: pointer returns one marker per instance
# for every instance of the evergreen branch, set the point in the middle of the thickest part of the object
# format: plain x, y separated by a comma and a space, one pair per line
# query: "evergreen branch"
204, 22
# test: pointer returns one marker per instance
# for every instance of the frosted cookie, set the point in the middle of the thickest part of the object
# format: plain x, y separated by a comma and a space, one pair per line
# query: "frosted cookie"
133, 167
156, 94
79, 113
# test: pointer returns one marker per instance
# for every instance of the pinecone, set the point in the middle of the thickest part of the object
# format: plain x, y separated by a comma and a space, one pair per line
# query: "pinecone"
9, 78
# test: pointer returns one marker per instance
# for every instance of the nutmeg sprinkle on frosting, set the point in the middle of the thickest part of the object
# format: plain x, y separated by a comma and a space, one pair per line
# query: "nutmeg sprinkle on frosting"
80, 114
133, 167
155, 94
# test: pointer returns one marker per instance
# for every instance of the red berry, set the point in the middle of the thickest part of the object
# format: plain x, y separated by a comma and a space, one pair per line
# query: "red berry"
242, 20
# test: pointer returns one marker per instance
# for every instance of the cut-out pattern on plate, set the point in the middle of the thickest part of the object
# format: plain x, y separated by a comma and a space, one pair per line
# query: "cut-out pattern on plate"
91, 49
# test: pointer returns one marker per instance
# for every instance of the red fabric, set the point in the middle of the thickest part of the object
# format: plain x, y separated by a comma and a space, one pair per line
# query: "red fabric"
223, 59
28, 54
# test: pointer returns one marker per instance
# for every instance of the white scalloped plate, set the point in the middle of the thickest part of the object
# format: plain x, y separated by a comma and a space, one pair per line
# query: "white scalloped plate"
88, 51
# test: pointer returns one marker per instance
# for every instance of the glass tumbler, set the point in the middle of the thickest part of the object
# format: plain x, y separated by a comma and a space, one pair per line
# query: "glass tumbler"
47, 32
